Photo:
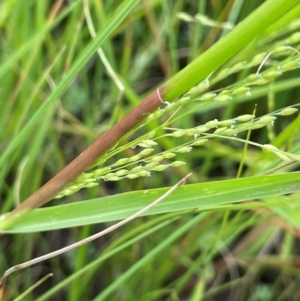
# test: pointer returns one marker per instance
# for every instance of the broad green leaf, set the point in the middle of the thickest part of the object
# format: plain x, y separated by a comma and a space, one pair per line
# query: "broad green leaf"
201, 196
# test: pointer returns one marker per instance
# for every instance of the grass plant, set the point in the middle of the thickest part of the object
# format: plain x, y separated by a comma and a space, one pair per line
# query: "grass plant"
213, 89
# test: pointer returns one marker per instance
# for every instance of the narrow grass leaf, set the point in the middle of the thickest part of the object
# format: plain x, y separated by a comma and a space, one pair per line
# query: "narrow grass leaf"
190, 197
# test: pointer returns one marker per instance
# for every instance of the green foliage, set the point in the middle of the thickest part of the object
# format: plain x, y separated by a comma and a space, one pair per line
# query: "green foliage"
231, 114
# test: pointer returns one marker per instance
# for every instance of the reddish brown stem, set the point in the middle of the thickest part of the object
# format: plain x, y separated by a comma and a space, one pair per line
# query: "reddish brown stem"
93, 152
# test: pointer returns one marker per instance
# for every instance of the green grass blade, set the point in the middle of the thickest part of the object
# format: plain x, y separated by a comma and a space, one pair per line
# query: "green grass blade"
106, 256
150, 255
8, 64
194, 196
243, 34
86, 54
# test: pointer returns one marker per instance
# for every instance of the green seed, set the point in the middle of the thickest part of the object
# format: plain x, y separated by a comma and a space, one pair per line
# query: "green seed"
212, 124
146, 152
281, 49
183, 101
262, 81
135, 158
151, 165
168, 155
276, 151
143, 145
222, 98
224, 92
171, 106
68, 192
101, 171
271, 75
220, 130
157, 159
109, 175
59, 196
289, 66
269, 148
199, 142
86, 175
287, 111
159, 113
223, 73
75, 188
178, 134
177, 163
185, 17
243, 127
201, 87
266, 119
132, 176
257, 126
208, 96
149, 142
184, 149
244, 118
201, 129
161, 167
227, 122
144, 173
241, 91
121, 172
239, 66
294, 38
258, 59
229, 132
192, 91
122, 161
151, 117
191, 132
137, 168
252, 78
151, 135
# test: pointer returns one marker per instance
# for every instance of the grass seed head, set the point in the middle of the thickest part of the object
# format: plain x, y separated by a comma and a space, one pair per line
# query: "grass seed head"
222, 98
184, 149
288, 111
168, 155
177, 163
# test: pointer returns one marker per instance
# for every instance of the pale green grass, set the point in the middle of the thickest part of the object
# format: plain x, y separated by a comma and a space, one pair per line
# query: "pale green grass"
218, 233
